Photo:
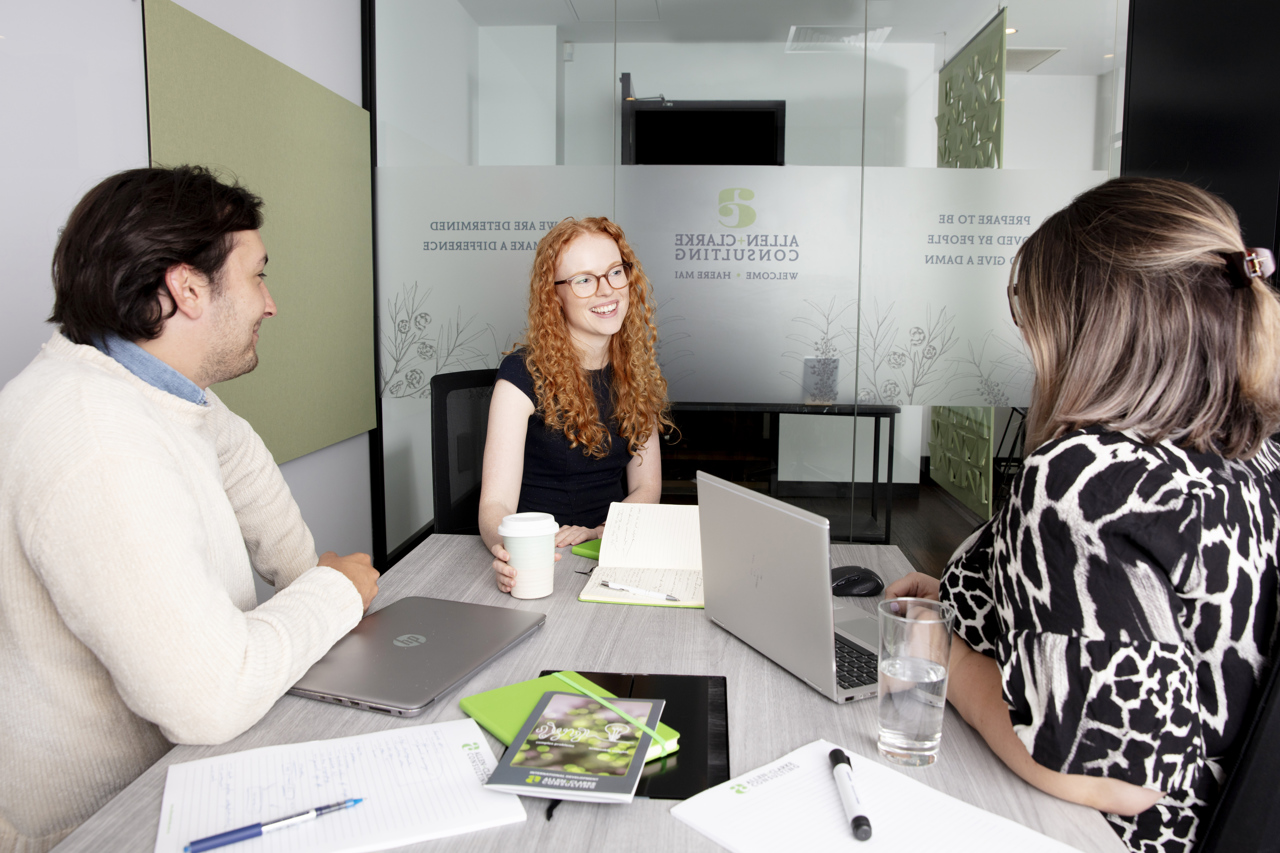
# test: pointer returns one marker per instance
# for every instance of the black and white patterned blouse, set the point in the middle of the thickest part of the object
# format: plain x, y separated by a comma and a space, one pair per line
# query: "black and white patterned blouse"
1129, 594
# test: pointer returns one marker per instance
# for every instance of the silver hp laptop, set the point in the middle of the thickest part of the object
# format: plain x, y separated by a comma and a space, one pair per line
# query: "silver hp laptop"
402, 658
766, 576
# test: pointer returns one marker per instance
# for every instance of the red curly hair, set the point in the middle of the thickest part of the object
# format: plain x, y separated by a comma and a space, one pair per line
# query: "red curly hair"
564, 390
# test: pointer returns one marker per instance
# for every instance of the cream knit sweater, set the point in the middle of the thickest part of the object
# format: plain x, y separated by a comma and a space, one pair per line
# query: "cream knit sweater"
130, 520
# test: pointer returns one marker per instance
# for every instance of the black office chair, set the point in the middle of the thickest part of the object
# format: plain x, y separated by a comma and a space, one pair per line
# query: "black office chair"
1247, 816
459, 419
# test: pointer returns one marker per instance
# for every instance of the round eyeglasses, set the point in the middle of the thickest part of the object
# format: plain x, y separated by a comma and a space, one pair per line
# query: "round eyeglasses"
586, 285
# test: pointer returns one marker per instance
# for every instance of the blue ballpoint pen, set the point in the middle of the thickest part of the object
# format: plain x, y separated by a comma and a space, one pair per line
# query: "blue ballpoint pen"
244, 833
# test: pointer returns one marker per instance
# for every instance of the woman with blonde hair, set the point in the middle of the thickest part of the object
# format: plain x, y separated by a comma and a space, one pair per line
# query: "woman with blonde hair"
1116, 616
577, 407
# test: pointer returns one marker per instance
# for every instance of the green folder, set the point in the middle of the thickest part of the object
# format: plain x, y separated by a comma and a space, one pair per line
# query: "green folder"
503, 710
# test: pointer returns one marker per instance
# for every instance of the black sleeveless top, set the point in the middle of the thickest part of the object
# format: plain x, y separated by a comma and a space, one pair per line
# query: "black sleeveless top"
575, 488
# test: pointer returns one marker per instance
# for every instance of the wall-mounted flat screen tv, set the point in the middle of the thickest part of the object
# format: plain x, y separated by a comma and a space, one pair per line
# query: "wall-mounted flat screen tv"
704, 133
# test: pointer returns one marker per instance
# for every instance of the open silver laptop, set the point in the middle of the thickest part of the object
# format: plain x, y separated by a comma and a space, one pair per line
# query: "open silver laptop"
766, 576
402, 658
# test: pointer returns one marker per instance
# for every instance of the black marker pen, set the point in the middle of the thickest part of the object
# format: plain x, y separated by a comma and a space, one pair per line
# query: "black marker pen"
843, 773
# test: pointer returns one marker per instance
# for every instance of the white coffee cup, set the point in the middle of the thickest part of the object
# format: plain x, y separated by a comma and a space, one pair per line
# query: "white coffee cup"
530, 539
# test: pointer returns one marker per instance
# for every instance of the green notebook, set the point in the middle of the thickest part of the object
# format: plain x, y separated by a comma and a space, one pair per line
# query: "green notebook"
504, 710
589, 549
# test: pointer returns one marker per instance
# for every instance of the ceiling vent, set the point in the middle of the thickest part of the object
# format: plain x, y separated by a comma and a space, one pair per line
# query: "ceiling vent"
1026, 58
834, 39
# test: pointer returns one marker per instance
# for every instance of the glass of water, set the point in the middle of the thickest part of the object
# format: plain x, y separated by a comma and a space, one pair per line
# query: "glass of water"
915, 649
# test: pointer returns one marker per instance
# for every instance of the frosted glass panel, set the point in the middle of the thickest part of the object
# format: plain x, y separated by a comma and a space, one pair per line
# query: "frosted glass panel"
857, 271
454, 254
937, 245
754, 269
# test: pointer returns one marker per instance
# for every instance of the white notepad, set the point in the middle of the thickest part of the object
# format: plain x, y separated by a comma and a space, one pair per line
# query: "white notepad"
792, 804
418, 783
654, 547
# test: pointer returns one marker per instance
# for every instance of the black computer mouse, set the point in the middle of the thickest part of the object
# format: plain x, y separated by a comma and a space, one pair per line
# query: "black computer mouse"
855, 580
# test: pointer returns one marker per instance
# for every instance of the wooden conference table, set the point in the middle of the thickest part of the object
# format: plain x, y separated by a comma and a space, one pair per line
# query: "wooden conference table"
770, 713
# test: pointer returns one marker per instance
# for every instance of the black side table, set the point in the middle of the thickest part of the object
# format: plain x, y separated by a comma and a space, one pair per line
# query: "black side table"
875, 412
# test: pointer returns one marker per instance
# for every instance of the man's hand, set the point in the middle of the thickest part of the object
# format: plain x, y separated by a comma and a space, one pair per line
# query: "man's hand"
359, 570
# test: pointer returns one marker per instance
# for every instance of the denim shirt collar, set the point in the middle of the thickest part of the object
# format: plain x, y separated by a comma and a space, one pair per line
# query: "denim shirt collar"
149, 369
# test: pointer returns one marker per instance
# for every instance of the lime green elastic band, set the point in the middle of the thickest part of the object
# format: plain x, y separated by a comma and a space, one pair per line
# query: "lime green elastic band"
615, 709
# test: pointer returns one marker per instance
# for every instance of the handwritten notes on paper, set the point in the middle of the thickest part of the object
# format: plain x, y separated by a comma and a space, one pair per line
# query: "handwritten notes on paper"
417, 783
654, 547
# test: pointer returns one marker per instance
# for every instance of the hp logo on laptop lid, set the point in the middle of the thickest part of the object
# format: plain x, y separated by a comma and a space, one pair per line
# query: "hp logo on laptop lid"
408, 640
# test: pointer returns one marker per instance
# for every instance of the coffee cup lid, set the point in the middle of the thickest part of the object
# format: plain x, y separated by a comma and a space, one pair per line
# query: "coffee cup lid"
528, 524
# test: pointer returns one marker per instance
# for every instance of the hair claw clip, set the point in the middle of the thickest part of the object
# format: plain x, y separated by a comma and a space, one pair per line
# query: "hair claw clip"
1243, 267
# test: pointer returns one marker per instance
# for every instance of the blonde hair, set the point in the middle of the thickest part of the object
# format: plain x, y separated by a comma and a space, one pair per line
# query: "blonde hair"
563, 388
1132, 321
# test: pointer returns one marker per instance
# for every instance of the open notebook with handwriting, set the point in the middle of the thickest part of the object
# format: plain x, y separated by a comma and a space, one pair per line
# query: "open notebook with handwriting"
418, 783
653, 552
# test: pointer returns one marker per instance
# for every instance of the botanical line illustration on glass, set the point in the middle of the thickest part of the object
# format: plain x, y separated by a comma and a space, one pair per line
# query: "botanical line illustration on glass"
670, 334
819, 377
993, 374
919, 365
415, 347
900, 375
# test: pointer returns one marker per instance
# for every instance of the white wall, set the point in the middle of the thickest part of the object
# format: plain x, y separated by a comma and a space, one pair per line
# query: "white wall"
73, 94
518, 73
1050, 122
318, 38
902, 100
428, 78
73, 101
589, 110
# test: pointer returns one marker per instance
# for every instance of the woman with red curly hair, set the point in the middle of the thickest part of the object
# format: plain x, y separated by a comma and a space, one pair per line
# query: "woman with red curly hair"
578, 406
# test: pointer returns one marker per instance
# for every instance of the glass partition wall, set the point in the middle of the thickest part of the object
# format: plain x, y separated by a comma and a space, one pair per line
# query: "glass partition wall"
825, 194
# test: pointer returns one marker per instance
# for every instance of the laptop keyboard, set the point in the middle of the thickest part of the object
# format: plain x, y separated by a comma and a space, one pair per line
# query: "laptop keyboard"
855, 666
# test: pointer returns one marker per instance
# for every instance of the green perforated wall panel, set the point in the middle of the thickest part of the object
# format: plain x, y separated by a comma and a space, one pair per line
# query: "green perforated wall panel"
971, 102
960, 456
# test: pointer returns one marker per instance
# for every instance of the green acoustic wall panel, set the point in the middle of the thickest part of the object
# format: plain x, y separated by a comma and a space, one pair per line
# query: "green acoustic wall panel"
960, 455
971, 102
216, 101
